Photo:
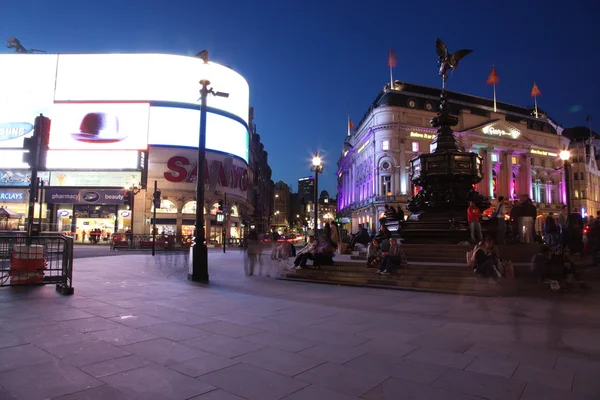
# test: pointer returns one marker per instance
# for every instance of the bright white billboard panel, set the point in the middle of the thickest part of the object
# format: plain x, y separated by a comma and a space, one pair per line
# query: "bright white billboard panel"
99, 126
26, 90
180, 127
90, 159
149, 77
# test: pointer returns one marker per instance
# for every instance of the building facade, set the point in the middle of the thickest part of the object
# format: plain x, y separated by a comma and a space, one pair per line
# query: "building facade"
282, 208
128, 121
306, 189
520, 152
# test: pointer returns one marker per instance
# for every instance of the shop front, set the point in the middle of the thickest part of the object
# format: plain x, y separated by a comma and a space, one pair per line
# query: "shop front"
89, 215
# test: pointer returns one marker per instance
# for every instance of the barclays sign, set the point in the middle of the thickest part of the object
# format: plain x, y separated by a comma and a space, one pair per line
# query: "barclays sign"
12, 196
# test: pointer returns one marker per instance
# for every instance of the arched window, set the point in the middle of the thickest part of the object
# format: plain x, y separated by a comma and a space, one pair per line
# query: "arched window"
234, 211
166, 207
189, 207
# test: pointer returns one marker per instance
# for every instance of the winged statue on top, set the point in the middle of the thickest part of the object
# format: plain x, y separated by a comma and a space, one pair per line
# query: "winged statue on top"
448, 61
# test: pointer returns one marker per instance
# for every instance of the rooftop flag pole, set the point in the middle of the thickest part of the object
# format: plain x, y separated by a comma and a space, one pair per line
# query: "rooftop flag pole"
493, 80
392, 62
535, 92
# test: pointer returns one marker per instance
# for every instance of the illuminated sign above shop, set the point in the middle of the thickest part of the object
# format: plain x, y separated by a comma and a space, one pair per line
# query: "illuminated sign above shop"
361, 148
543, 153
94, 179
490, 130
419, 135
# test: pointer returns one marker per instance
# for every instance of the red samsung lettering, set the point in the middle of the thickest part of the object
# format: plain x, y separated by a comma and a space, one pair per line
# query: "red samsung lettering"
177, 165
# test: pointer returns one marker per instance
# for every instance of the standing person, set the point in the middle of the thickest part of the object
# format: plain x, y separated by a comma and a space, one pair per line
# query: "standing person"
335, 237
274, 244
500, 217
252, 252
575, 232
551, 230
528, 215
562, 225
327, 230
473, 217
515, 214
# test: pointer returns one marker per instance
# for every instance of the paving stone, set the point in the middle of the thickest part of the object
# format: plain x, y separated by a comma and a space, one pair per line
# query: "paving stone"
122, 335
135, 320
107, 311
374, 363
253, 383
8, 339
541, 392
114, 366
163, 351
388, 335
342, 379
48, 380
238, 318
333, 353
155, 382
229, 329
313, 392
217, 395
486, 386
399, 389
568, 364
5, 395
175, 332
540, 358
203, 365
442, 358
279, 361
586, 384
556, 379
441, 341
222, 345
94, 324
52, 335
98, 393
385, 365
68, 313
325, 336
281, 341
86, 352
494, 367
22, 356
500, 352
29, 322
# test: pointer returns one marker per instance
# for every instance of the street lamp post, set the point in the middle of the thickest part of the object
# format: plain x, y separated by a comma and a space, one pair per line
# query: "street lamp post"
317, 168
199, 267
565, 155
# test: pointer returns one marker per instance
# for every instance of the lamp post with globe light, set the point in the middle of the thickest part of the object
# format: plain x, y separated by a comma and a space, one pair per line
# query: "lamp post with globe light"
199, 266
317, 168
565, 155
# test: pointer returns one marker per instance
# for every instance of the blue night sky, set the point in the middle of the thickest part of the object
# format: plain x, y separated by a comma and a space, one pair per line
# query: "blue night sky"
308, 61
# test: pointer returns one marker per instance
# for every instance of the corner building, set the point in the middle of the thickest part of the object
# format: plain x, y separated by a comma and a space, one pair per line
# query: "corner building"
520, 152
150, 113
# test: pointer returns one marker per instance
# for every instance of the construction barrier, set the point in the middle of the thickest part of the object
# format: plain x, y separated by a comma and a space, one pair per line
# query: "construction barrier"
27, 264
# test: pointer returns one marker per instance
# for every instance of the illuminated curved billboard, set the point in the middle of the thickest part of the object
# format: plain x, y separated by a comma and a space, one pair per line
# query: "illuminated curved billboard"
121, 101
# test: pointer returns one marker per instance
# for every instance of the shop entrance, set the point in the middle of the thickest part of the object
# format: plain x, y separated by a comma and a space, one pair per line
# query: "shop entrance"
94, 224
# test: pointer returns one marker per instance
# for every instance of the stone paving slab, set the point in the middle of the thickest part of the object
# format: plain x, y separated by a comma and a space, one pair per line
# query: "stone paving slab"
137, 329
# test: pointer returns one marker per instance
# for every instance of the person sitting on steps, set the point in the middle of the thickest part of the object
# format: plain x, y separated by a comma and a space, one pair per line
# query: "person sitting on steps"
373, 254
307, 253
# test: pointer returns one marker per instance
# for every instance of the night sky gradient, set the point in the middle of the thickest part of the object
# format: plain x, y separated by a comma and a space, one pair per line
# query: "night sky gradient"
309, 62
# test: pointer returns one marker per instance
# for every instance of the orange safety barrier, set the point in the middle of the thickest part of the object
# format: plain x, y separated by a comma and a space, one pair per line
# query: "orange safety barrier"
27, 264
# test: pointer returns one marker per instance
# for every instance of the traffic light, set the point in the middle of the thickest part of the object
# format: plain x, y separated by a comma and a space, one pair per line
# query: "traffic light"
156, 198
30, 144
220, 205
127, 198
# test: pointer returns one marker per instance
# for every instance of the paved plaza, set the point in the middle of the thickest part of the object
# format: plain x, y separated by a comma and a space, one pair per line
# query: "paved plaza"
137, 329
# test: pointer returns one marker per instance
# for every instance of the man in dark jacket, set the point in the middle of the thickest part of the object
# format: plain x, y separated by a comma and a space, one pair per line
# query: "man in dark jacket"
528, 214
575, 232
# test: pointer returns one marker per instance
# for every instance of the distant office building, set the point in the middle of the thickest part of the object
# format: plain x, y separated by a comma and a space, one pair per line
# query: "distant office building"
306, 189
282, 206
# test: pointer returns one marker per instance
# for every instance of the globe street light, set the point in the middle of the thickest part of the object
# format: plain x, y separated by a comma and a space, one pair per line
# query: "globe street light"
317, 168
199, 267
565, 155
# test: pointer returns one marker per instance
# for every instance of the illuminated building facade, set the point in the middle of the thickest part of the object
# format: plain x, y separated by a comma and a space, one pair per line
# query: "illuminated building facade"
520, 152
128, 120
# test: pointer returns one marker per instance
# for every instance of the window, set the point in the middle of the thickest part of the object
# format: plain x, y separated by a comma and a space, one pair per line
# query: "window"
189, 207
576, 194
581, 176
415, 147
385, 145
514, 160
576, 175
167, 207
583, 194
543, 194
386, 185
494, 157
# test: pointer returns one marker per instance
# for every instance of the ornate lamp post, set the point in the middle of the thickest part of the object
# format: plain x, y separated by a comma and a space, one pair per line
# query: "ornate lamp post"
565, 155
199, 267
317, 168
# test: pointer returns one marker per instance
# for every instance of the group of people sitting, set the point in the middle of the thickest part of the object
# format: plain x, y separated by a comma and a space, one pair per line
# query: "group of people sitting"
486, 261
553, 266
384, 252
320, 251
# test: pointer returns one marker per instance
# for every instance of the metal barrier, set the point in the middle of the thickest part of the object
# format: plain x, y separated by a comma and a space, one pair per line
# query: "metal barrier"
39, 260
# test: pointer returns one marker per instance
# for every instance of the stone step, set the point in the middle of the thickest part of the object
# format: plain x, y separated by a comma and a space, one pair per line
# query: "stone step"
399, 275
476, 287
463, 272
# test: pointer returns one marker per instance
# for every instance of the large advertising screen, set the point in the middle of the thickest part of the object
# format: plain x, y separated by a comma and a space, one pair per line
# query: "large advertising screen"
99, 126
79, 92
180, 127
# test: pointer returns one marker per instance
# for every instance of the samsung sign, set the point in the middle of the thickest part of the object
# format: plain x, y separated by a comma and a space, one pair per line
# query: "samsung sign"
77, 196
12, 130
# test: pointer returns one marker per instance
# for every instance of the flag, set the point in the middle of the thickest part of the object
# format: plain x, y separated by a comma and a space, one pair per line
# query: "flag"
350, 125
535, 91
392, 60
493, 78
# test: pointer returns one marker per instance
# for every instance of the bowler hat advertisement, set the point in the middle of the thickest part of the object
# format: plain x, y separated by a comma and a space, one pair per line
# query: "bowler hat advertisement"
99, 126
